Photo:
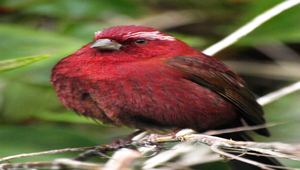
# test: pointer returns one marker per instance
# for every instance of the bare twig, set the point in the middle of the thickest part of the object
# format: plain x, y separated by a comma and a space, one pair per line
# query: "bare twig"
45, 153
249, 27
217, 144
278, 94
181, 148
122, 159
96, 151
61, 163
216, 148
73, 164
241, 129
24, 165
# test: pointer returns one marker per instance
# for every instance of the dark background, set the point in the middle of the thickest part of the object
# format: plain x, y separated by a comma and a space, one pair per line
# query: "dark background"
31, 117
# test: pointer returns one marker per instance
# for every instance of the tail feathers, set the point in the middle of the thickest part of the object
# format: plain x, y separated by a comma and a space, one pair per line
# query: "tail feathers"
238, 165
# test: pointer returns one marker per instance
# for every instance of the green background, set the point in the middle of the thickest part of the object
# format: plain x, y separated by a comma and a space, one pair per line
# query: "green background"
31, 117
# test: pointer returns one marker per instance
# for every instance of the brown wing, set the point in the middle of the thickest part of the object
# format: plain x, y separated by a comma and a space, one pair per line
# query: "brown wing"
214, 75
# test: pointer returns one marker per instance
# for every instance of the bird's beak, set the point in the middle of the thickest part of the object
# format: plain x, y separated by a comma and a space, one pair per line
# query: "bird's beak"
106, 44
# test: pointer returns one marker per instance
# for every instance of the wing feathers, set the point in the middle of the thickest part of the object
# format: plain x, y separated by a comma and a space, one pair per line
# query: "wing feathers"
225, 83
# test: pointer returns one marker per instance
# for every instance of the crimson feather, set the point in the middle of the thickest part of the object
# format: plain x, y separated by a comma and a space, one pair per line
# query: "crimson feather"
143, 78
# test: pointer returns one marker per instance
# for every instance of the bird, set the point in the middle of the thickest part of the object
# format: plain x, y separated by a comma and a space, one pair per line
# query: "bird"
143, 78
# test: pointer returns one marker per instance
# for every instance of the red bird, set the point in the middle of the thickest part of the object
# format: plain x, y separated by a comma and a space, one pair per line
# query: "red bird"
143, 78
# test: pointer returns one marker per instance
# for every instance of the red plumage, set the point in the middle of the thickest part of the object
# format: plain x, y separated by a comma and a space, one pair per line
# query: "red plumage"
143, 78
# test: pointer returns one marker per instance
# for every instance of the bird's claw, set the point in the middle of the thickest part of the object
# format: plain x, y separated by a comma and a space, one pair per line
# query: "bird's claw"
150, 140
120, 143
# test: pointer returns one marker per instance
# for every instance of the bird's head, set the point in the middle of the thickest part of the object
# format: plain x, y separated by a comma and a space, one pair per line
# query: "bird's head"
132, 42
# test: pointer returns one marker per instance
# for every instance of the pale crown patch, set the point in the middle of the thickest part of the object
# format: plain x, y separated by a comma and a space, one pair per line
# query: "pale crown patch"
98, 33
154, 35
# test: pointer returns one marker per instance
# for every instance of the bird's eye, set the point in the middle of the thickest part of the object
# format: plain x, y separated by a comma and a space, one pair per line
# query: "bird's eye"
141, 41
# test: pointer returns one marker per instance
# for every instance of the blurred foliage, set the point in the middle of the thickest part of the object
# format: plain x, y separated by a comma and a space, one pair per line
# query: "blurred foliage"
6, 65
32, 118
280, 28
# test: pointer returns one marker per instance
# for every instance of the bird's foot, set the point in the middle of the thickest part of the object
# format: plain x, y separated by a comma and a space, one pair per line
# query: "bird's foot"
124, 142
120, 143
151, 139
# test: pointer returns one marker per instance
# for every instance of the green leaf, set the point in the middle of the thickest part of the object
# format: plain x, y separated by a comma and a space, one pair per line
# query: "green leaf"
23, 41
7, 65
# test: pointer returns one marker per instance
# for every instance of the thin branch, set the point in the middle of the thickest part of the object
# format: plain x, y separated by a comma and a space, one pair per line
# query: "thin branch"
278, 94
240, 129
217, 144
45, 153
28, 165
61, 163
273, 153
122, 159
246, 29
176, 150
181, 148
73, 164
215, 147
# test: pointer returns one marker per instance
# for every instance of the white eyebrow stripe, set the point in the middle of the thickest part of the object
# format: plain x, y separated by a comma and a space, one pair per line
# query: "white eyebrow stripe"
154, 35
